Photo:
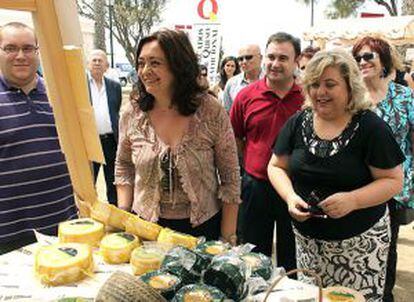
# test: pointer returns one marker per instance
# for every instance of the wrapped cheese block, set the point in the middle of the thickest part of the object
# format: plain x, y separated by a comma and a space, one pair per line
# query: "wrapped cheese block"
260, 265
228, 273
117, 247
342, 294
165, 283
142, 228
169, 236
83, 230
212, 248
199, 293
185, 263
145, 259
63, 263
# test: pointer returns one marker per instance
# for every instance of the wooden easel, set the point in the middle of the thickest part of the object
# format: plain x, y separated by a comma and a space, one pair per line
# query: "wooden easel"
56, 24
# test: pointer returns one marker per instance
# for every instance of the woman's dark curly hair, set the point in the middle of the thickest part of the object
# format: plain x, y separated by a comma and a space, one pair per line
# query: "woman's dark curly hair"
223, 75
183, 64
381, 47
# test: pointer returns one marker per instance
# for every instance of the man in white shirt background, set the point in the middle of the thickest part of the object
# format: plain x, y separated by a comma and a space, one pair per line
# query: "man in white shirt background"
106, 98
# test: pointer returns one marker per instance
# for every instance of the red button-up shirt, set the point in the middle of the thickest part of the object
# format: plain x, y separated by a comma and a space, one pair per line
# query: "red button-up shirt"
257, 116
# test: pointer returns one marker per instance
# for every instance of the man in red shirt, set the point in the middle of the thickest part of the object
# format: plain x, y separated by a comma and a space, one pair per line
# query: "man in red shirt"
259, 112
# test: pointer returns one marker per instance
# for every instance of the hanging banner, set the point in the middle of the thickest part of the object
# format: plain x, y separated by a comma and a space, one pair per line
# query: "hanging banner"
206, 39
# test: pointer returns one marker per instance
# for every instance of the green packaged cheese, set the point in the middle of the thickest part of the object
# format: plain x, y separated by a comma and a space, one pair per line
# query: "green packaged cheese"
199, 293
184, 263
212, 248
228, 273
165, 283
259, 265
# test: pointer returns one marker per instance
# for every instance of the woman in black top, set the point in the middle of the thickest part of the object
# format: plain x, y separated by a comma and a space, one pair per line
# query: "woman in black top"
336, 163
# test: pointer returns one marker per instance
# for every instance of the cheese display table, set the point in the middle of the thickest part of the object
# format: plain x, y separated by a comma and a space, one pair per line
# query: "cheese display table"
18, 281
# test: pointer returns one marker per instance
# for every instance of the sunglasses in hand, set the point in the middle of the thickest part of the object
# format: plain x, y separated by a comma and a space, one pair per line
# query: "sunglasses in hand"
367, 56
313, 208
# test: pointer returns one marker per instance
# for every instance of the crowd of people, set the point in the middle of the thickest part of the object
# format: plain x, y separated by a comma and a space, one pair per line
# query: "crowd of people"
317, 142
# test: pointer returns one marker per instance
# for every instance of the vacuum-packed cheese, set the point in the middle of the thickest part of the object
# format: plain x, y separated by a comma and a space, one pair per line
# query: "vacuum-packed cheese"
83, 230
144, 259
117, 247
63, 263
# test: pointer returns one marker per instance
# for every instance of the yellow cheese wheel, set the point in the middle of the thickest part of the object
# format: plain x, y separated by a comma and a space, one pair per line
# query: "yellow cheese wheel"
342, 294
117, 247
145, 259
175, 238
83, 230
142, 228
63, 263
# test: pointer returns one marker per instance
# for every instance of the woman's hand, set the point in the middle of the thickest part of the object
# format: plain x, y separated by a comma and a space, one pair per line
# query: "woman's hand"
297, 208
339, 204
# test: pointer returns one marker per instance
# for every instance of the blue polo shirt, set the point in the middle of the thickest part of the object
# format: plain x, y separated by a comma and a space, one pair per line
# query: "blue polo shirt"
35, 188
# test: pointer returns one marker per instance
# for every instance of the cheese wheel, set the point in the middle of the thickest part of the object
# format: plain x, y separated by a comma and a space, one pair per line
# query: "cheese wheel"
142, 228
117, 247
342, 294
83, 230
144, 259
175, 238
63, 263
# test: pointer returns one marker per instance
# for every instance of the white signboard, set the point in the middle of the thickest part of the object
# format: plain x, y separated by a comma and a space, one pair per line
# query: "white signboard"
206, 39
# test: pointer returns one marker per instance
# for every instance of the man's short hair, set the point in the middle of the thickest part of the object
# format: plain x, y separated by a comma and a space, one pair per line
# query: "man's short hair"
16, 25
281, 37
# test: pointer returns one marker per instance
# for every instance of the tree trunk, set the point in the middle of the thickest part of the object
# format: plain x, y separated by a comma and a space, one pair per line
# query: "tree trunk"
100, 13
407, 7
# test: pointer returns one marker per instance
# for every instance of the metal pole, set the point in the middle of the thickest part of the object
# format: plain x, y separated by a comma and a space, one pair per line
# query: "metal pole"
312, 12
111, 42
312, 17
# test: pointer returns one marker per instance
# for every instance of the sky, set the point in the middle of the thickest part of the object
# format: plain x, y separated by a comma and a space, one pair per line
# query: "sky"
251, 21
245, 21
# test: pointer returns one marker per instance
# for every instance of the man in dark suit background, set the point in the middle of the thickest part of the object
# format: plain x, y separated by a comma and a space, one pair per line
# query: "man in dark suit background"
106, 98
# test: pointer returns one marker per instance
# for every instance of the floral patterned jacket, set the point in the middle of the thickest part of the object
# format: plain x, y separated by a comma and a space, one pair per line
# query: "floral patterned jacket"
206, 160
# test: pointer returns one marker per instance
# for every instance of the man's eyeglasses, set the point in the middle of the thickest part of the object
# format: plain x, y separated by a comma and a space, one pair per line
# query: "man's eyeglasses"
367, 56
14, 50
246, 57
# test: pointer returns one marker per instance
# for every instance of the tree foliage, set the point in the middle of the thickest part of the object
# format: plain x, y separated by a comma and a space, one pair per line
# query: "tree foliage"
132, 20
407, 7
99, 37
346, 8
